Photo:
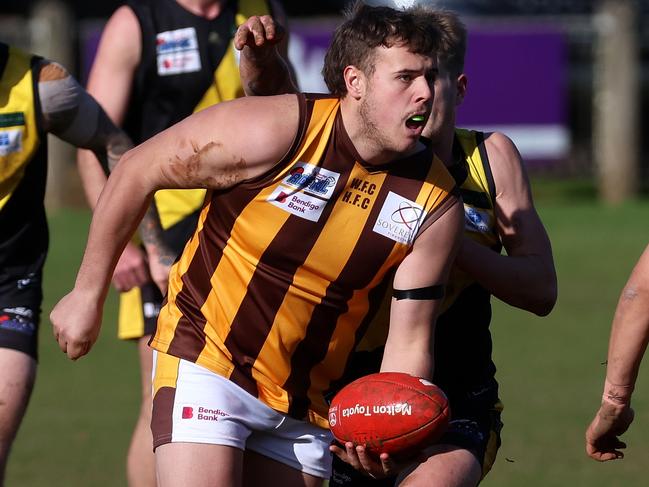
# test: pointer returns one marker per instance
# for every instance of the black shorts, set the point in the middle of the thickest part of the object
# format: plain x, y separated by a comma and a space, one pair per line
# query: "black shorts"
475, 426
21, 296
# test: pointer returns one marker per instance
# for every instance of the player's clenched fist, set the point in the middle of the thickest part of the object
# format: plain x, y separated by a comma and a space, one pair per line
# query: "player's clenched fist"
612, 420
76, 321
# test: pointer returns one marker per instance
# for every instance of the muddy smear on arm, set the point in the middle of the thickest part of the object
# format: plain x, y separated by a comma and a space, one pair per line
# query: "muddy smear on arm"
200, 169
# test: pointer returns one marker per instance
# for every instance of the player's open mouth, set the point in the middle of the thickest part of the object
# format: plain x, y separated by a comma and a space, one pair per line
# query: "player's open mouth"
416, 121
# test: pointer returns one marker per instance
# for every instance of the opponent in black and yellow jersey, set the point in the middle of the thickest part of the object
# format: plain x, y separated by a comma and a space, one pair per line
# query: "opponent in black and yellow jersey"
23, 227
36, 97
463, 365
188, 63
280, 314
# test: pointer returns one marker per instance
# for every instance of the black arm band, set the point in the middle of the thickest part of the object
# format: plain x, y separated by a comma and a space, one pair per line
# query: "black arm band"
422, 293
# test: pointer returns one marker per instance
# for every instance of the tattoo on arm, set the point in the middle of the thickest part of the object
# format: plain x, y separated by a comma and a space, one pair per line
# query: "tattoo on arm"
151, 234
615, 397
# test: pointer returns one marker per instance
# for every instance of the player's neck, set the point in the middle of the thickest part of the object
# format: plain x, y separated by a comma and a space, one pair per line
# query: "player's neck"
443, 145
209, 9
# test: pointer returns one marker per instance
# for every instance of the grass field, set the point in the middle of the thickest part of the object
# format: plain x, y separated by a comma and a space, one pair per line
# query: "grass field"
550, 369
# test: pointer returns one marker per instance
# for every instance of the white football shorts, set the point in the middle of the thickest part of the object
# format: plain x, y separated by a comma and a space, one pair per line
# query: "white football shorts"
200, 406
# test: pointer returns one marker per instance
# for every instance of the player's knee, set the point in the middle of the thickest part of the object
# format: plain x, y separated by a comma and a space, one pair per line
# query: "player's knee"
449, 467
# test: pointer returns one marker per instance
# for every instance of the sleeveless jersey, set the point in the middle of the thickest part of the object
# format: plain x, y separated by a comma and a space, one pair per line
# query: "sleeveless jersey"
23, 167
188, 63
280, 313
462, 340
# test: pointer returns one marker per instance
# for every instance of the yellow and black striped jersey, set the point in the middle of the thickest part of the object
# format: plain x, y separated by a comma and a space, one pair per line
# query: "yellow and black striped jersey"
278, 284
23, 162
188, 63
473, 176
463, 363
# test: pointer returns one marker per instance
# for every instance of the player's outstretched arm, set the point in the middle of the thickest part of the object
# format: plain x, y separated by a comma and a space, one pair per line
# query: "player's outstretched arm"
525, 277
627, 345
214, 149
264, 65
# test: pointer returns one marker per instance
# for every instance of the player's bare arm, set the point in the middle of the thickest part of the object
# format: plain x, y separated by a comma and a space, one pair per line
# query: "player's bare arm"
160, 256
410, 343
627, 345
264, 66
191, 154
110, 83
409, 346
525, 277
71, 114
110, 79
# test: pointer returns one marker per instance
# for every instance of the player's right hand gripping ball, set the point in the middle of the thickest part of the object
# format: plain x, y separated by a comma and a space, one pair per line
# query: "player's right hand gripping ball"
389, 412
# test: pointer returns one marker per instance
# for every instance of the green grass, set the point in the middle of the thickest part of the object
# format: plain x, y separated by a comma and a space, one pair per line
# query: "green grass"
550, 369
78, 424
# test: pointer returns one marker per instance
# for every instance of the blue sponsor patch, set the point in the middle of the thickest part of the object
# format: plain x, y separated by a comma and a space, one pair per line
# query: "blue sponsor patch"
475, 220
17, 324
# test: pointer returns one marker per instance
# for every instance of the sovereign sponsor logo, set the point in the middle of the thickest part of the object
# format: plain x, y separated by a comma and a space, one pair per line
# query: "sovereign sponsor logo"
399, 219
312, 179
177, 51
297, 203
11, 141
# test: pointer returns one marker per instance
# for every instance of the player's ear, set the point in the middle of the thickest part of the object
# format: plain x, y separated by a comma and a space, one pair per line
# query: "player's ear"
462, 81
354, 81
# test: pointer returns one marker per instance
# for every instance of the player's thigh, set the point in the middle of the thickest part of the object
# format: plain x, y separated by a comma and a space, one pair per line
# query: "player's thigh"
259, 469
16, 384
198, 465
448, 466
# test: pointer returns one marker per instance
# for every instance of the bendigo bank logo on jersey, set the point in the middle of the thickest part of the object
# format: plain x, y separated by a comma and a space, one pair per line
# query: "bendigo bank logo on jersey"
177, 52
399, 219
305, 191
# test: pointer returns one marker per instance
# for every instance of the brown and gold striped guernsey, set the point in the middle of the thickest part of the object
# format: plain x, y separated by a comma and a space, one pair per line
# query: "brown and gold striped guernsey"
279, 282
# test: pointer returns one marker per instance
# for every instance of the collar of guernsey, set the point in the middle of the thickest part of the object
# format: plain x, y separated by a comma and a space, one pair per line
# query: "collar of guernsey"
175, 204
19, 134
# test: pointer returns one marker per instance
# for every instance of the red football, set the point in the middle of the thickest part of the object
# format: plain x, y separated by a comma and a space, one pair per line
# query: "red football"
389, 412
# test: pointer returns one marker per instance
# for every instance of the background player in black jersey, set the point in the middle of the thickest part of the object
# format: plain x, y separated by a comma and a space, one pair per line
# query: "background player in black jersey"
158, 61
627, 345
38, 97
498, 214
